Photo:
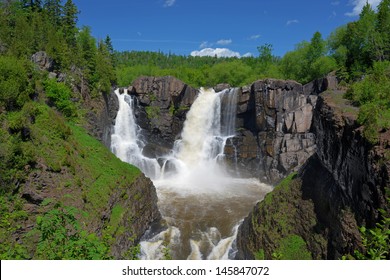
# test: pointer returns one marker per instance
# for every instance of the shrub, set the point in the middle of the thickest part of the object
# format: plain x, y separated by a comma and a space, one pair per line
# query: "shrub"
61, 237
60, 96
14, 83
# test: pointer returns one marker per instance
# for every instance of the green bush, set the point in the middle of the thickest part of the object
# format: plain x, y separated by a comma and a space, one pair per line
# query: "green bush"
375, 241
60, 96
14, 83
372, 94
61, 237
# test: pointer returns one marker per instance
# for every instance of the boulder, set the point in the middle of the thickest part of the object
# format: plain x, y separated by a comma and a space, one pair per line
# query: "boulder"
43, 61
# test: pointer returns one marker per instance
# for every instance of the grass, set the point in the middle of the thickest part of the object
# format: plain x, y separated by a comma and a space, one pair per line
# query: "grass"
78, 171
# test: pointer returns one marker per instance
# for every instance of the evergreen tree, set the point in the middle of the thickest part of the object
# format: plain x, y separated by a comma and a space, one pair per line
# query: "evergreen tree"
383, 27
53, 9
69, 22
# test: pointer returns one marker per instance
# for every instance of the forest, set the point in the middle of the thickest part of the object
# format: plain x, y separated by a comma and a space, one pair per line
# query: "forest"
358, 52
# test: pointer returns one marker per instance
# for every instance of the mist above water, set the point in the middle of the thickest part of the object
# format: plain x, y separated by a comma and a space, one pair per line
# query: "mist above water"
201, 202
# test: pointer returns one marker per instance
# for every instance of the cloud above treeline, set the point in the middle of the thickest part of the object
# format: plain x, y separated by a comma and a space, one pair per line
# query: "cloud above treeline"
359, 4
219, 52
254, 37
224, 42
292, 21
169, 3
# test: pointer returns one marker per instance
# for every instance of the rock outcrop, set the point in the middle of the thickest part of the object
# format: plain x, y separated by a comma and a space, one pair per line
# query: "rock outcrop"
274, 129
162, 106
43, 61
101, 117
339, 188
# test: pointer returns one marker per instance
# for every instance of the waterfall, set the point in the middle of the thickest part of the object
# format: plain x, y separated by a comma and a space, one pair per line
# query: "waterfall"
125, 141
201, 203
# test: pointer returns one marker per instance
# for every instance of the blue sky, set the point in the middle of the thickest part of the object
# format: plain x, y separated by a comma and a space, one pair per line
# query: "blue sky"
225, 27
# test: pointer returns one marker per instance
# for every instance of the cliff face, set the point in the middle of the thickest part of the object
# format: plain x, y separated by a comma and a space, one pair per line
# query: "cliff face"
274, 119
341, 187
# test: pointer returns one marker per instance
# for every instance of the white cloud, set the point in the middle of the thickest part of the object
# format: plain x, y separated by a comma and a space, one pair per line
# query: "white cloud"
169, 3
359, 4
205, 44
247, 55
254, 37
224, 42
289, 22
219, 52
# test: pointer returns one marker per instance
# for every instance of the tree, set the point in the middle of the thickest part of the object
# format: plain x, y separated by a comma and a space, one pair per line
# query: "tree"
54, 10
383, 27
265, 53
105, 74
69, 22
316, 48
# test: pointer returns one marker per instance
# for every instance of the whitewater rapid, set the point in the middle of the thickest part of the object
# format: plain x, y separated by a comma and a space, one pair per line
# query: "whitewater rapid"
200, 201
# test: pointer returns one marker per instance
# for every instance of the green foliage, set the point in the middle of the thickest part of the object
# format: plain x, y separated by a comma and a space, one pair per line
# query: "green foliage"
308, 61
10, 222
375, 241
292, 247
260, 255
60, 96
153, 112
372, 94
15, 87
105, 73
61, 237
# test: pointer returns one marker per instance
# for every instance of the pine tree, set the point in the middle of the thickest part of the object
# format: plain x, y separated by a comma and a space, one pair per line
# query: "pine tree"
69, 22
383, 27
53, 9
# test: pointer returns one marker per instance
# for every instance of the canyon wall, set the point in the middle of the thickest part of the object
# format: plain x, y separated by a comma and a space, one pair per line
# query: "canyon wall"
340, 188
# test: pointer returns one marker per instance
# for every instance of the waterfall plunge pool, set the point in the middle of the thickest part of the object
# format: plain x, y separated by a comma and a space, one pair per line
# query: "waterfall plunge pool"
200, 201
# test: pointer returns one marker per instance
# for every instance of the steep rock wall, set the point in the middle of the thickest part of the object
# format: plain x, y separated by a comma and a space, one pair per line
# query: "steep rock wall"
341, 186
274, 120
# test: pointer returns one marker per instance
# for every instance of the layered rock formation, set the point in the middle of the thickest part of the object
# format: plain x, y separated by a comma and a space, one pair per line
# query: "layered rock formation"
274, 121
340, 187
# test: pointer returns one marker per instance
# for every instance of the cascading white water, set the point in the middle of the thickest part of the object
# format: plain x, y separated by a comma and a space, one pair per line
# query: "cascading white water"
201, 203
125, 141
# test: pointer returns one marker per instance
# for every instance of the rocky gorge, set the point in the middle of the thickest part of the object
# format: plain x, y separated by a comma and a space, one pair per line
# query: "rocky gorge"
339, 181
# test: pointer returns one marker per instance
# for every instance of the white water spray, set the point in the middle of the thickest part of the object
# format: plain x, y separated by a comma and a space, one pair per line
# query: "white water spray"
201, 203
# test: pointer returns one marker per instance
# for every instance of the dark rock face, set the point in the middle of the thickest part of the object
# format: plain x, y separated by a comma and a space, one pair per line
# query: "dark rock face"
342, 185
274, 137
356, 180
140, 214
162, 105
101, 117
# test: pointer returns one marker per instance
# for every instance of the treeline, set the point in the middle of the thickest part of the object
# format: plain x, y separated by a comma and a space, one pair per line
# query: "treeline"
308, 61
351, 50
27, 27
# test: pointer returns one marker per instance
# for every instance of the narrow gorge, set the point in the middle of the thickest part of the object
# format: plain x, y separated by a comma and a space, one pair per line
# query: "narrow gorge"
211, 153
